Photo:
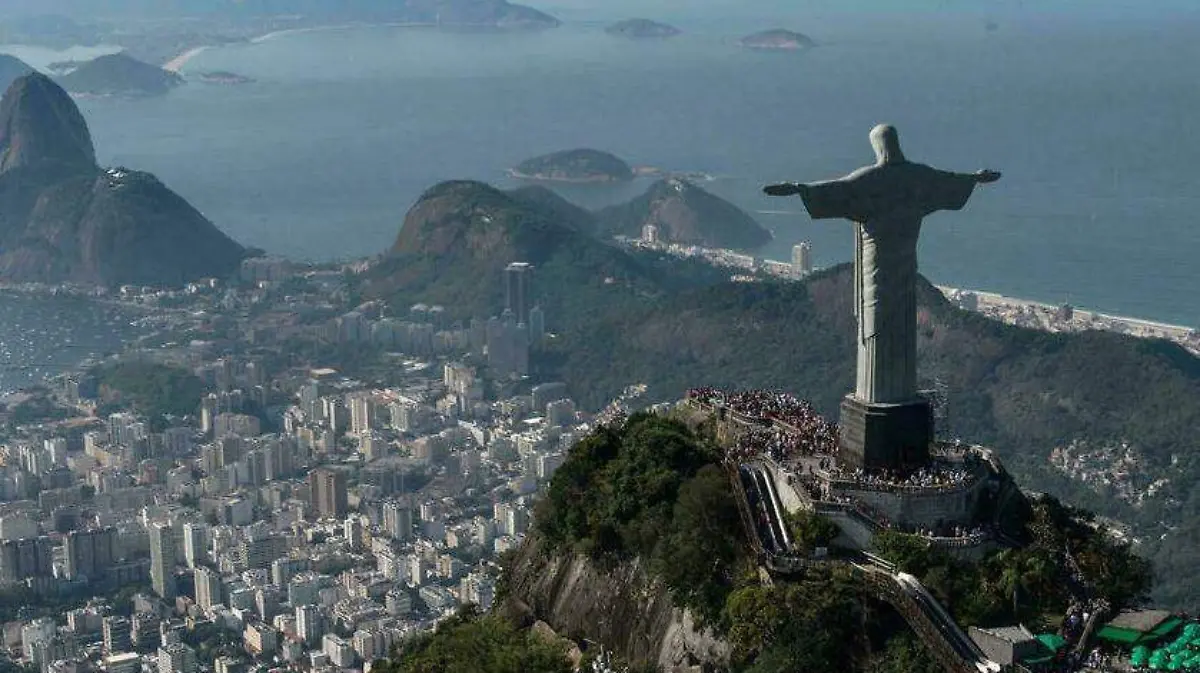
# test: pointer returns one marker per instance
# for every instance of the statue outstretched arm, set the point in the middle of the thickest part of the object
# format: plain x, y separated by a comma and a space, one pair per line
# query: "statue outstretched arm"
785, 189
985, 176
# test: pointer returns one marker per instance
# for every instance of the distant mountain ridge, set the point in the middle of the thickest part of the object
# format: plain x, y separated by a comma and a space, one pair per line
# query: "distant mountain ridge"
498, 13
64, 219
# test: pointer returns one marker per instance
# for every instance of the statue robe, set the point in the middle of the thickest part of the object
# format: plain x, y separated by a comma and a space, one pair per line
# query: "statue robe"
887, 203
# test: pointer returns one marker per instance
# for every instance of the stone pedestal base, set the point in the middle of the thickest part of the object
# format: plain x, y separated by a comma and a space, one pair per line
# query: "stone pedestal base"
884, 436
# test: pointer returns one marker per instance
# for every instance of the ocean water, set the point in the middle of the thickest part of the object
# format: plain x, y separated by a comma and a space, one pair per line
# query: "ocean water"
41, 337
1087, 108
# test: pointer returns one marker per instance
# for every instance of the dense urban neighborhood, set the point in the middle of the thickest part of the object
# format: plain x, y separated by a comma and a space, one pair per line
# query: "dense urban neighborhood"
270, 477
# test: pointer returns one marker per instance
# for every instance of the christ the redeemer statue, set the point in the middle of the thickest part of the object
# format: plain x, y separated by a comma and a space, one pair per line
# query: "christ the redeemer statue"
886, 202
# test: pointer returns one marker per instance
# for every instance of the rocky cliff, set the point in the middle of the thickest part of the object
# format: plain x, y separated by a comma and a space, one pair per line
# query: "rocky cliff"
619, 607
41, 128
64, 219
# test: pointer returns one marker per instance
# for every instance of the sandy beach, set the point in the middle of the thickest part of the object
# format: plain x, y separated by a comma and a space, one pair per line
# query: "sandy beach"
176, 64
346, 26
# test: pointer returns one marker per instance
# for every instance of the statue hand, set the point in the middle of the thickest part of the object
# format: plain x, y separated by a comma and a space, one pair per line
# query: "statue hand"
986, 176
783, 189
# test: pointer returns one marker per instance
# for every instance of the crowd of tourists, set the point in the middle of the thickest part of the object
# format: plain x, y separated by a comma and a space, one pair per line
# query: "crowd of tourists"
798, 429
933, 475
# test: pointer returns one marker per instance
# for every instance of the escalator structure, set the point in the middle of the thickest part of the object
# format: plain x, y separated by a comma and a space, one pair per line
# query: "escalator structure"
762, 515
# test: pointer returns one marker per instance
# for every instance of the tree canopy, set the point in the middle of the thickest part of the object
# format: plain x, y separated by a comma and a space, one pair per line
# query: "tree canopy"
481, 644
651, 488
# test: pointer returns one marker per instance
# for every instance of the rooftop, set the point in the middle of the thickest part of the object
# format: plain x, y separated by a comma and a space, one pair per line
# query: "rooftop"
1139, 620
1011, 634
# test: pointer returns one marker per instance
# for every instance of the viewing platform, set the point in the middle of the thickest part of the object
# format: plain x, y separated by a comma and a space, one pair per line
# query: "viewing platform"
946, 500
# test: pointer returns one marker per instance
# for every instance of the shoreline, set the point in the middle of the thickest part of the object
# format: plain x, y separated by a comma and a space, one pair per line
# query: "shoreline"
266, 37
176, 64
181, 59
994, 298
535, 177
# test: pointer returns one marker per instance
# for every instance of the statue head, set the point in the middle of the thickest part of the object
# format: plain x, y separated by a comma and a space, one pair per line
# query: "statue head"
886, 143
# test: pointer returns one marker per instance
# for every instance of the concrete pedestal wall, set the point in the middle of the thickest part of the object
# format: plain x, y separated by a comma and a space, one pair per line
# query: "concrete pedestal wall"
923, 509
855, 534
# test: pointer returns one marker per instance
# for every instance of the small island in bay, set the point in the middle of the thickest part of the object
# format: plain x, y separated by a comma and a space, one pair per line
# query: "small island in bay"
223, 77
579, 165
641, 28
777, 40
119, 75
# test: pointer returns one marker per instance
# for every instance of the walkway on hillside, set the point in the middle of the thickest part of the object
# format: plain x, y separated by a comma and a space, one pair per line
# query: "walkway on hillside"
766, 527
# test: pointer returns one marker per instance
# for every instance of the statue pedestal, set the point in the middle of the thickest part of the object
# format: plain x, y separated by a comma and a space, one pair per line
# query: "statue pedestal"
884, 436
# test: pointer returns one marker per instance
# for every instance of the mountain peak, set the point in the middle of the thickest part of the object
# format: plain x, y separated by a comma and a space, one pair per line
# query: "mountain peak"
12, 68
41, 126
64, 219
686, 214
476, 219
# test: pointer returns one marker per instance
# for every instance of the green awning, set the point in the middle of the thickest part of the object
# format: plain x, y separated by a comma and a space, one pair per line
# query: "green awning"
1120, 636
1052, 641
1113, 634
1165, 629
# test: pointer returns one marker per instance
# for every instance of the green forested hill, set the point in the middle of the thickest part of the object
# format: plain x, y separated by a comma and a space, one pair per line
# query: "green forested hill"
624, 319
1020, 391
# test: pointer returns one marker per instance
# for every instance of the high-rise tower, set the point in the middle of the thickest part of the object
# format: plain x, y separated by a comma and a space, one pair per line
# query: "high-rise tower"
328, 488
162, 559
517, 277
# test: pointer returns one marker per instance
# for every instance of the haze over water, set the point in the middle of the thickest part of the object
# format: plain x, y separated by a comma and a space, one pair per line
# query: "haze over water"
1089, 117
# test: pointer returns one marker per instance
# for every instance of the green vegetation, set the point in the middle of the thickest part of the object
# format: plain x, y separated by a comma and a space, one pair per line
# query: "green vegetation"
685, 213
19, 602
37, 409
1025, 585
212, 641
674, 325
481, 644
809, 625
652, 489
810, 530
153, 389
1019, 391
472, 226
903, 653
